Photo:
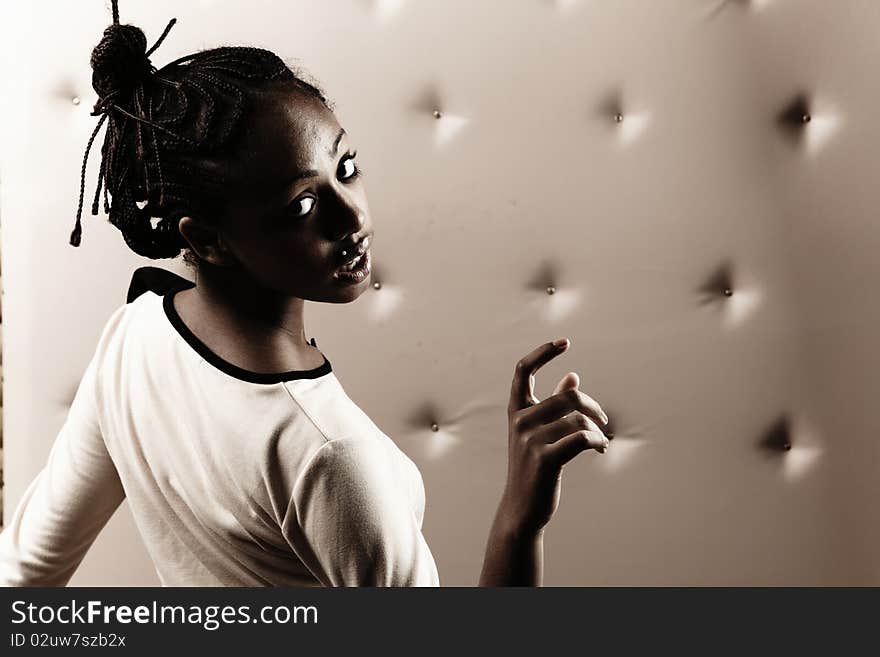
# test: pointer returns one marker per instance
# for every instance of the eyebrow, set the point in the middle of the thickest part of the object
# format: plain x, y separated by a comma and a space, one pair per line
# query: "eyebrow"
311, 173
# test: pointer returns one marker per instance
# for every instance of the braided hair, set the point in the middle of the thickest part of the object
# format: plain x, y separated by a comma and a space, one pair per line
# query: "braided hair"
163, 127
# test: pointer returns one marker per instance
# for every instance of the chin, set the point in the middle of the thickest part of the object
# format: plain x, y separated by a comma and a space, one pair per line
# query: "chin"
347, 293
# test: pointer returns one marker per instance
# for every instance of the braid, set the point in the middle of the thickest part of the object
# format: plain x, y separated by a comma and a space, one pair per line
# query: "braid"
161, 125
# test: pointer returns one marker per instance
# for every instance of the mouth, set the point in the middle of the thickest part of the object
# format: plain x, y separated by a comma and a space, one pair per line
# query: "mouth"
355, 270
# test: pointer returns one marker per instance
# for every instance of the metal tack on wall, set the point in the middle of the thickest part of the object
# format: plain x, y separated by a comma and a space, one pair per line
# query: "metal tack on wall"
796, 115
719, 283
778, 437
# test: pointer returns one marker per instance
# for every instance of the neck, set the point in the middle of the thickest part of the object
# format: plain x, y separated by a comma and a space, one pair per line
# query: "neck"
233, 299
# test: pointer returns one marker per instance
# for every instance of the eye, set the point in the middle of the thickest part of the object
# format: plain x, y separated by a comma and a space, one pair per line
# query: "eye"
349, 169
303, 205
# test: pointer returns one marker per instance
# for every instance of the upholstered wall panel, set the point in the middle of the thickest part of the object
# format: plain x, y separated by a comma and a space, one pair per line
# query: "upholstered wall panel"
693, 180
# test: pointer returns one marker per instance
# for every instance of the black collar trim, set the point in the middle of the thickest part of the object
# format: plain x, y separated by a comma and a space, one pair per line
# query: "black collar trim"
233, 370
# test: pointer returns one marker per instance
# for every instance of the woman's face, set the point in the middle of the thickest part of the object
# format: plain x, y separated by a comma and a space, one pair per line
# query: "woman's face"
298, 201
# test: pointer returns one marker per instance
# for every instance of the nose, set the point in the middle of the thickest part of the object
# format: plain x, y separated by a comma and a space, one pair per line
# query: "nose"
346, 214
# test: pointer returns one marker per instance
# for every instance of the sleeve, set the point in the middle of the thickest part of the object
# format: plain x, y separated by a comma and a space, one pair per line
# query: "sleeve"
66, 505
353, 522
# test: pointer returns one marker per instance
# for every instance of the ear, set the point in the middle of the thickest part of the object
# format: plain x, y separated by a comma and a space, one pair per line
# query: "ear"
206, 241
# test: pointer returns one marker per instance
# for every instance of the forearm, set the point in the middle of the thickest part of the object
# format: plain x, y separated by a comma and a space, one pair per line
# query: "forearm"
513, 557
38, 545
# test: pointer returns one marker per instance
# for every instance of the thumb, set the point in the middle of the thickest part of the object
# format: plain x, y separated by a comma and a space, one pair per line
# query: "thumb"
569, 381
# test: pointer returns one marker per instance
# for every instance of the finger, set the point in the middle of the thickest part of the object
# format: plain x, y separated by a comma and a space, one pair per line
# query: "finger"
566, 448
560, 405
592, 426
571, 423
522, 390
570, 380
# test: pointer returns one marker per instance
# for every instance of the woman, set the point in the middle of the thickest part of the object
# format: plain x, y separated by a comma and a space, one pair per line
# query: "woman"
243, 460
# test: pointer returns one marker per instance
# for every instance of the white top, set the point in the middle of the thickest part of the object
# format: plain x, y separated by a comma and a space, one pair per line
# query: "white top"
234, 478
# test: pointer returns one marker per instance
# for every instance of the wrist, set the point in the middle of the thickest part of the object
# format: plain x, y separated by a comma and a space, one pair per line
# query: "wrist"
511, 528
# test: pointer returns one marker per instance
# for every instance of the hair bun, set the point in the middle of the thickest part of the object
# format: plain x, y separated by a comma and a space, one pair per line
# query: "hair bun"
120, 61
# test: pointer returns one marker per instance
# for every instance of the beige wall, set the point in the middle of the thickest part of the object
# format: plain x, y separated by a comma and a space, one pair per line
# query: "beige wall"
527, 180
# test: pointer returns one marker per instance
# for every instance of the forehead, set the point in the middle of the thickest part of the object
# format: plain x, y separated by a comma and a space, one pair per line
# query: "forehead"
284, 132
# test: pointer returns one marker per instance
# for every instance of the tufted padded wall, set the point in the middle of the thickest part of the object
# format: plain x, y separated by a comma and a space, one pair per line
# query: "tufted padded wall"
685, 188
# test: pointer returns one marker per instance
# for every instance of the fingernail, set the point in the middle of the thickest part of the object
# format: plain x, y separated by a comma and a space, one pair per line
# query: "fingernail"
605, 417
560, 342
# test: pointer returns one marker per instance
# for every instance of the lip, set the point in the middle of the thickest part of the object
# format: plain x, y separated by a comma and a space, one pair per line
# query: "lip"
362, 247
357, 254
357, 275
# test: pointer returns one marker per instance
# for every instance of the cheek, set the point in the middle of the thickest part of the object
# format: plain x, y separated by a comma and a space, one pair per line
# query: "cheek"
289, 255
277, 256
